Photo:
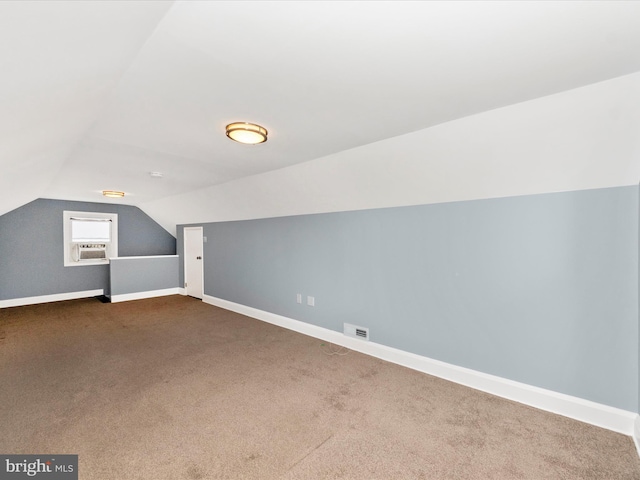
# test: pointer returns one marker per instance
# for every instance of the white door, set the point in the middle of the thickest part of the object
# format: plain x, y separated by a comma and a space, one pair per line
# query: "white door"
193, 263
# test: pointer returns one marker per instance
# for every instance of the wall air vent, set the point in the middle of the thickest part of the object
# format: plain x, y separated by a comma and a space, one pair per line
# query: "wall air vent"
356, 332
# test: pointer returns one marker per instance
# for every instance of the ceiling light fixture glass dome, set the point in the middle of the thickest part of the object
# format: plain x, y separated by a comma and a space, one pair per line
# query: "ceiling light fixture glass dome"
247, 133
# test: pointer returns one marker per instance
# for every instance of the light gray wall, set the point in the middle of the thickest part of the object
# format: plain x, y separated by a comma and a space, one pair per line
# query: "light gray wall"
180, 252
31, 247
138, 274
540, 289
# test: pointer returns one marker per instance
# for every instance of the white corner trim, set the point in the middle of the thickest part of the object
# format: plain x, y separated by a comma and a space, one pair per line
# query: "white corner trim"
611, 418
57, 297
182, 291
124, 297
636, 433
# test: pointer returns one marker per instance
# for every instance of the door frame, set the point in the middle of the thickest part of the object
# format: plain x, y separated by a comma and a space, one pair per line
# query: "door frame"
184, 238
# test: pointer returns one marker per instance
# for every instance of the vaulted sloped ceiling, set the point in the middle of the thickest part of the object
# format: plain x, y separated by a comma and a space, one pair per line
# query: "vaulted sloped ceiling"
60, 63
95, 95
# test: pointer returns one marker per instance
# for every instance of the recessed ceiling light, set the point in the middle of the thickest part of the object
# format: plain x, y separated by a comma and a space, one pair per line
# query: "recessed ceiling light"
248, 133
156, 174
112, 194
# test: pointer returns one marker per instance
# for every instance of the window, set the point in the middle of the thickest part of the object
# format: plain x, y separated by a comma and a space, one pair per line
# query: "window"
90, 238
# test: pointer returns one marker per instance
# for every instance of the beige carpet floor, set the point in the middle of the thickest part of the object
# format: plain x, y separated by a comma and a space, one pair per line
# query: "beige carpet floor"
172, 388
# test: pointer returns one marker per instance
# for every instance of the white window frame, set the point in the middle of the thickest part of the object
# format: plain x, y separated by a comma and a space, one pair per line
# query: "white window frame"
112, 246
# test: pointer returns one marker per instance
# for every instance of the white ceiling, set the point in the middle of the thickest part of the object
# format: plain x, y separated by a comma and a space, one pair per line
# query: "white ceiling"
95, 95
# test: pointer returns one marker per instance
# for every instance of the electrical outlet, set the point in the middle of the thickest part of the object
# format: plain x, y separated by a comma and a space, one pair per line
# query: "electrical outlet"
311, 301
299, 298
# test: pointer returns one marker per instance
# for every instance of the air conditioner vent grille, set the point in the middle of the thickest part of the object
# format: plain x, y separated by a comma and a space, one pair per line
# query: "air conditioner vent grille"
91, 251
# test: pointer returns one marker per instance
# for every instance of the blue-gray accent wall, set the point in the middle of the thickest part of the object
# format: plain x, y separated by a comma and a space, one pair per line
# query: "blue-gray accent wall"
540, 289
31, 247
143, 274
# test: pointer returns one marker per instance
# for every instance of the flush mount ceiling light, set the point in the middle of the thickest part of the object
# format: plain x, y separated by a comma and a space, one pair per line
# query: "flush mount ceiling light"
248, 133
112, 194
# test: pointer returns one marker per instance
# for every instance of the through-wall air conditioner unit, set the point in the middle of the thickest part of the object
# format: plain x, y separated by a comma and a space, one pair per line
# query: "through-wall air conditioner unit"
91, 251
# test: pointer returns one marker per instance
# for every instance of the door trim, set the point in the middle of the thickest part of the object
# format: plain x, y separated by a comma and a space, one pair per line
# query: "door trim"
184, 266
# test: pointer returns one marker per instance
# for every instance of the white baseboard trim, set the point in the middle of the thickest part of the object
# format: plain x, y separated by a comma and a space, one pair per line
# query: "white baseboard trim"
125, 297
182, 291
611, 418
57, 297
